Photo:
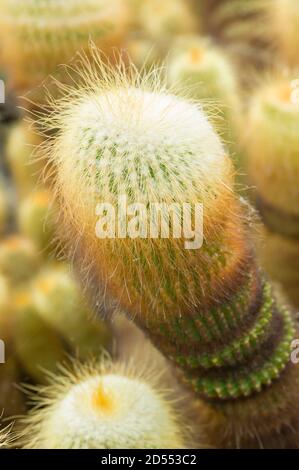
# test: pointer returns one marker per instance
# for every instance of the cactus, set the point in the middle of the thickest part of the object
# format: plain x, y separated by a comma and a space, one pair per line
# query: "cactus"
11, 398
5, 437
3, 207
37, 36
38, 347
284, 15
5, 321
204, 69
272, 140
209, 310
36, 219
21, 141
103, 407
61, 305
19, 258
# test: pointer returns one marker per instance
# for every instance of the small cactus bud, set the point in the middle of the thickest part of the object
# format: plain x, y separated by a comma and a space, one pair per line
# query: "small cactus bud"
101, 407
19, 259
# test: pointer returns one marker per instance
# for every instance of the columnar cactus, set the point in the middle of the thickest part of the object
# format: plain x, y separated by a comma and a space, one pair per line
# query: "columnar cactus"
21, 141
210, 309
285, 20
31, 334
37, 36
273, 166
37, 218
61, 305
209, 75
103, 407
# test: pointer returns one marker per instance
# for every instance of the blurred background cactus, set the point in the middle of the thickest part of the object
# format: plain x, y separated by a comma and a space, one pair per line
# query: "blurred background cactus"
223, 56
272, 143
104, 406
215, 315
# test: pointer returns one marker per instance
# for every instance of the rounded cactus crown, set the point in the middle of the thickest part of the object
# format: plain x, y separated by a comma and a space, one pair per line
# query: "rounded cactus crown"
285, 20
103, 407
38, 36
123, 135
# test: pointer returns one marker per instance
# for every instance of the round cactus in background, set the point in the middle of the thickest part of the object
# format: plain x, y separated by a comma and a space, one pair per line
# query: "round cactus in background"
103, 407
37, 36
208, 75
61, 305
36, 219
284, 16
207, 307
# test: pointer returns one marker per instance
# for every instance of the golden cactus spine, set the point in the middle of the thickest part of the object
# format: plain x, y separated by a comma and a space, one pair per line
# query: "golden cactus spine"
272, 140
62, 306
209, 310
103, 406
